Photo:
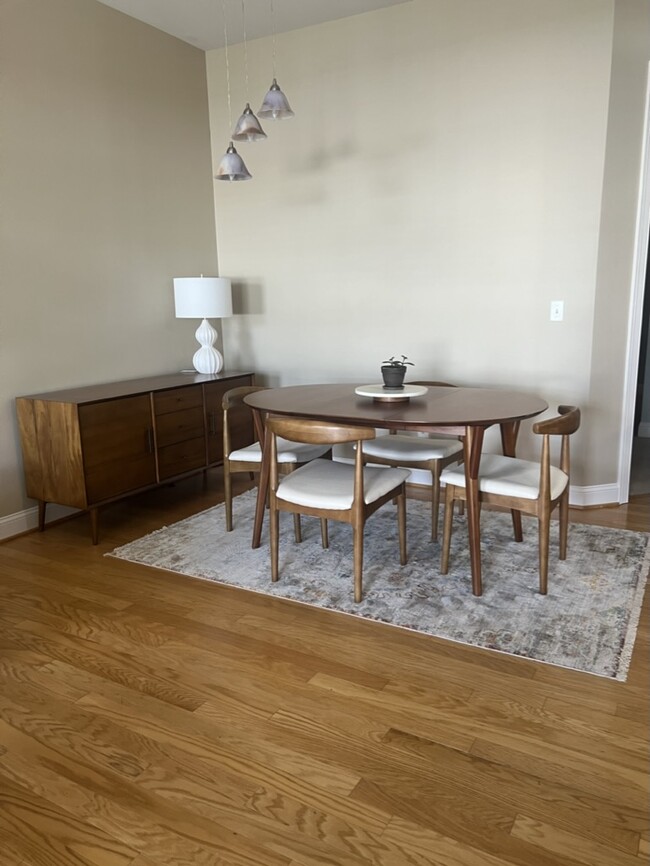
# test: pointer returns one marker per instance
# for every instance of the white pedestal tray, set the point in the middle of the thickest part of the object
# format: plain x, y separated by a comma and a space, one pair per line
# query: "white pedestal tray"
389, 395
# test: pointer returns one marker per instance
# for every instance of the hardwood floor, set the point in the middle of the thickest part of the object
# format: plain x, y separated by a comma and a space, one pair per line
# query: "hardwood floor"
147, 719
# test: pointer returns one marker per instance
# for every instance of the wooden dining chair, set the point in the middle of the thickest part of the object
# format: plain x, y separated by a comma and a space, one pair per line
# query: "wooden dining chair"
249, 459
332, 490
411, 451
522, 485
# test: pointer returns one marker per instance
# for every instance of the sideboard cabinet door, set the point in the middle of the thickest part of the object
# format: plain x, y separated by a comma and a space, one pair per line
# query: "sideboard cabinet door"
117, 445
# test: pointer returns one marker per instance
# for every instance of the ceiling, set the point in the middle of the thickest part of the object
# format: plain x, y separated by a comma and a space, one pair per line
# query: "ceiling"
200, 22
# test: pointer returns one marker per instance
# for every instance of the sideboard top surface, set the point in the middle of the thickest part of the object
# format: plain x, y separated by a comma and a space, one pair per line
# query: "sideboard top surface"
113, 390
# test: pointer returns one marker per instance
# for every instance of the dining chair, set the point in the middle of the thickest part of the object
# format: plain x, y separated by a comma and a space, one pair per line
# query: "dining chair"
522, 485
418, 452
249, 459
330, 489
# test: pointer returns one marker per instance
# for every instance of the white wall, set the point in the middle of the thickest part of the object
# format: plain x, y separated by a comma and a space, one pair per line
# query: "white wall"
105, 196
440, 184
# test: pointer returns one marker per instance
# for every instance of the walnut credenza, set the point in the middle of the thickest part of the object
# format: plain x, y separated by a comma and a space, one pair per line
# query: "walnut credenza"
85, 447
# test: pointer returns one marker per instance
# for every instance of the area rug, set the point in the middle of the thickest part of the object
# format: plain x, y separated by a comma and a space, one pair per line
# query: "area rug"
587, 621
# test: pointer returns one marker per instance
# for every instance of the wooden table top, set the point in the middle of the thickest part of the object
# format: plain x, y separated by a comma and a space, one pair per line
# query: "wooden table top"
440, 407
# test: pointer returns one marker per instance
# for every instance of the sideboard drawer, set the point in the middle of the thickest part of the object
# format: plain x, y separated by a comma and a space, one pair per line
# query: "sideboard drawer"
179, 426
181, 457
177, 399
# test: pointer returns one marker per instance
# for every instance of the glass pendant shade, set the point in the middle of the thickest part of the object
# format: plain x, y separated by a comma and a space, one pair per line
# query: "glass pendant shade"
248, 127
275, 105
232, 166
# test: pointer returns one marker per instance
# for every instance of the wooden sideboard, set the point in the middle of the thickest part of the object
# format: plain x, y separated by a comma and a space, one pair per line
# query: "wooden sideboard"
85, 447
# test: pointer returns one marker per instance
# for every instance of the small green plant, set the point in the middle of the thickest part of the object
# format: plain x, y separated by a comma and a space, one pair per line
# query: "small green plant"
394, 362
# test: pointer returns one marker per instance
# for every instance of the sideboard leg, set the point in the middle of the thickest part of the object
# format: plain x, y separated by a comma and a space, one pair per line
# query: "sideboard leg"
41, 514
94, 524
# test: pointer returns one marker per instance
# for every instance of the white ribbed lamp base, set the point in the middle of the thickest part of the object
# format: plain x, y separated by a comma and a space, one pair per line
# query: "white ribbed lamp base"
207, 359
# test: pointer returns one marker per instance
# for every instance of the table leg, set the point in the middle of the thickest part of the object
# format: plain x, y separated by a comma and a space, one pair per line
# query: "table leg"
509, 433
263, 484
472, 446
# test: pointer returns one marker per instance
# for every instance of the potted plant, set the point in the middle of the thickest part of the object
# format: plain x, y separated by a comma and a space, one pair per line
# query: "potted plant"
393, 371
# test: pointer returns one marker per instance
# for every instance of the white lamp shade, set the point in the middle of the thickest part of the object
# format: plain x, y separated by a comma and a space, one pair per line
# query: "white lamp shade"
202, 297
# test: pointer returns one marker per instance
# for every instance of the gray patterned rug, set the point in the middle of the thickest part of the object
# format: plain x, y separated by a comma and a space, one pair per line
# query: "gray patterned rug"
587, 621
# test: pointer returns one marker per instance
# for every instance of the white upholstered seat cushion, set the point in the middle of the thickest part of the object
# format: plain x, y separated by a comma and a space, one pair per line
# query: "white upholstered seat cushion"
330, 484
288, 452
508, 476
401, 447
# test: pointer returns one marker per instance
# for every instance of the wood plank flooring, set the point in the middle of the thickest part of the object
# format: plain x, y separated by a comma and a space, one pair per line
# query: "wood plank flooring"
147, 719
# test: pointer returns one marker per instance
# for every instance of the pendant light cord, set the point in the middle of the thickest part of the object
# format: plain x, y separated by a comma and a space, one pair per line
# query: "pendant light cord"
273, 34
225, 39
243, 24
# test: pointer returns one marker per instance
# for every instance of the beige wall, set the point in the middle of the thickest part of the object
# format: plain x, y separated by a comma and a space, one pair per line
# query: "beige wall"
105, 196
441, 183
453, 166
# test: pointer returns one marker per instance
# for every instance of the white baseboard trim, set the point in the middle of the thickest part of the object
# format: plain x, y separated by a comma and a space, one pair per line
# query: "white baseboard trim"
25, 521
644, 430
597, 494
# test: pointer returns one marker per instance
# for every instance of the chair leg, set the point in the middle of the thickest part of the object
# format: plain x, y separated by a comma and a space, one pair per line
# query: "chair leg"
446, 533
564, 523
227, 492
274, 532
401, 527
435, 502
324, 536
357, 536
516, 525
297, 529
544, 530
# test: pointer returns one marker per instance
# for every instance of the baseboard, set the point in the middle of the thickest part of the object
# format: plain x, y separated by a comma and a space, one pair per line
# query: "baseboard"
597, 494
26, 521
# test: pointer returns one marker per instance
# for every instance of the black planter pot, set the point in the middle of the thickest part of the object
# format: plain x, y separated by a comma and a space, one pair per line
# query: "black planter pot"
393, 377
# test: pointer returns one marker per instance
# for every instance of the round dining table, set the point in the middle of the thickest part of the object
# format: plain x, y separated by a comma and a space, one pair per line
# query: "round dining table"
459, 411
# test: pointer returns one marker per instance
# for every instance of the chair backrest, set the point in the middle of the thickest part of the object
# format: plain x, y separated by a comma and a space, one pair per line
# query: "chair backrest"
235, 397
233, 400
317, 432
564, 424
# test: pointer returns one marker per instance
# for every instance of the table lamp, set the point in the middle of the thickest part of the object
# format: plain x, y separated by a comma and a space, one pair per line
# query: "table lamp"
203, 298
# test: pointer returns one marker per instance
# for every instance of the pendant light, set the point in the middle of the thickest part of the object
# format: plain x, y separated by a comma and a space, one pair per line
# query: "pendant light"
275, 104
248, 127
232, 166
